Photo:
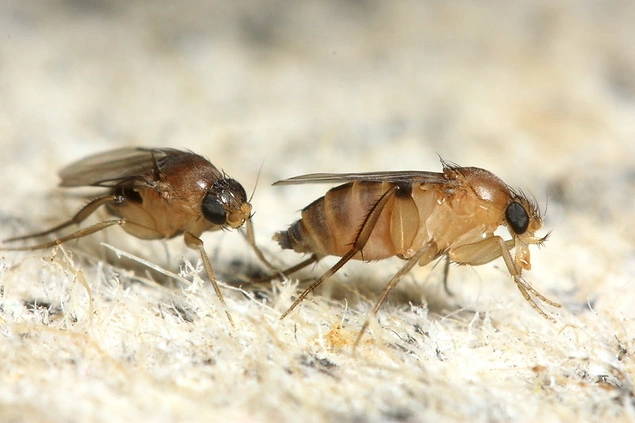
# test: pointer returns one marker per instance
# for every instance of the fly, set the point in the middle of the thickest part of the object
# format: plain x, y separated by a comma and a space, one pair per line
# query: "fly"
156, 193
418, 217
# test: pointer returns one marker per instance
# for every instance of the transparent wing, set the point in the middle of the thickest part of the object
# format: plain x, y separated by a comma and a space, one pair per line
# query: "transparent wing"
108, 168
405, 176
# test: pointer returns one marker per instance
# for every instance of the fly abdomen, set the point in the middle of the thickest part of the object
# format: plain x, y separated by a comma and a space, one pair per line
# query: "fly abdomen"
332, 224
292, 238
301, 235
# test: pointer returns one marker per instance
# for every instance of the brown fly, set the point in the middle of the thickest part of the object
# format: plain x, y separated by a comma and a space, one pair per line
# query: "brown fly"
418, 217
156, 193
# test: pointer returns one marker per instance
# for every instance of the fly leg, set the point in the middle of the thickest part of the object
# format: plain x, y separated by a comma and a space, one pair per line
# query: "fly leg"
251, 240
446, 273
360, 241
79, 217
196, 243
289, 271
78, 234
491, 248
423, 257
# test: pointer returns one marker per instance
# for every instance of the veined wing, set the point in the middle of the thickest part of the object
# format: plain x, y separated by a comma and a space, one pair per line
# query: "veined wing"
406, 176
108, 168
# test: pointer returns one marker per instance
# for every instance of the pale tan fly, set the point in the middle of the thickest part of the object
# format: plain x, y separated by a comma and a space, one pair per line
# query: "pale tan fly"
419, 217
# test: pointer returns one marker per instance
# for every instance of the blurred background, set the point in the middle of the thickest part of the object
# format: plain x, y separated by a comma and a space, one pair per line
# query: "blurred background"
541, 93
355, 85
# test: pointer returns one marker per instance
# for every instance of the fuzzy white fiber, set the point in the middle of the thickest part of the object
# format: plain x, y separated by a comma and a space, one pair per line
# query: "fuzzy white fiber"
541, 93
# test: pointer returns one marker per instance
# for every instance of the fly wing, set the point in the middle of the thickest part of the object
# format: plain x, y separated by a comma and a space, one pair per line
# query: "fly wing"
406, 176
108, 168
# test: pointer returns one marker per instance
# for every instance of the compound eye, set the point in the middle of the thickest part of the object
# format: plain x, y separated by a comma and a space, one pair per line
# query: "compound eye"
517, 218
213, 210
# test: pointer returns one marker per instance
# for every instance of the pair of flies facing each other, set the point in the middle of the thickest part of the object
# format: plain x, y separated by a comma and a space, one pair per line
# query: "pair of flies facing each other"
416, 216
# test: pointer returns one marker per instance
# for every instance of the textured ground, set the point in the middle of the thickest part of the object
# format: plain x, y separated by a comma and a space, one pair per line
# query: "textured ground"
541, 93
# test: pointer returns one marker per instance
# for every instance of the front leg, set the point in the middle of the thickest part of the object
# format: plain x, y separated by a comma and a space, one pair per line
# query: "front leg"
484, 251
196, 243
488, 249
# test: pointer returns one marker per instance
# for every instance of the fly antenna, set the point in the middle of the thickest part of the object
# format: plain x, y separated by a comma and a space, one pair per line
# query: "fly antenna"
257, 179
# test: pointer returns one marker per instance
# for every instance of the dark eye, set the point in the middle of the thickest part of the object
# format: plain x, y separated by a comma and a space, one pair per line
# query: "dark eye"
517, 218
213, 210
